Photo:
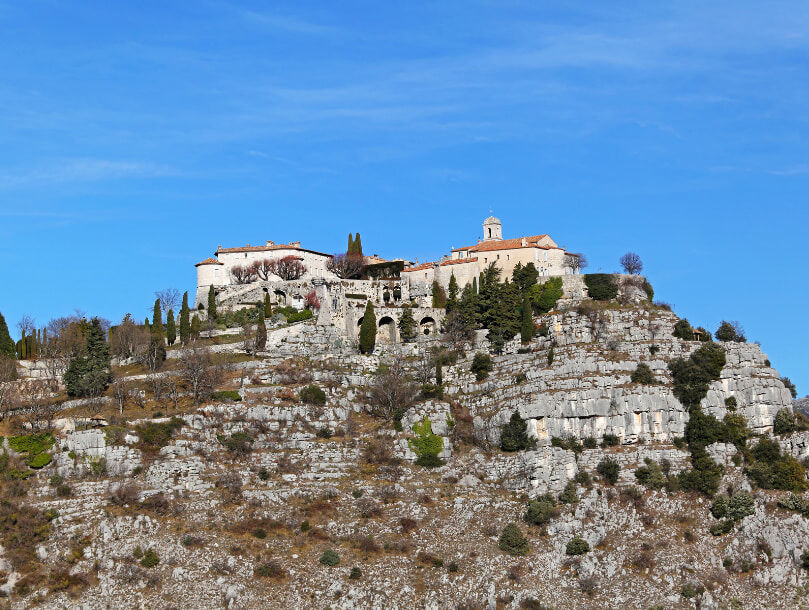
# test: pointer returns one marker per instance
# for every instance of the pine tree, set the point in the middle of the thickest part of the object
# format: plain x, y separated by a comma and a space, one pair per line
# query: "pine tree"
407, 325
185, 321
357, 245
171, 328
212, 304
157, 319
527, 326
452, 301
368, 328
196, 326
89, 374
267, 307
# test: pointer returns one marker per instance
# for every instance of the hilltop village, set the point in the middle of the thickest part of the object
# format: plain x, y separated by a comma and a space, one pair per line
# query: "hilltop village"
496, 429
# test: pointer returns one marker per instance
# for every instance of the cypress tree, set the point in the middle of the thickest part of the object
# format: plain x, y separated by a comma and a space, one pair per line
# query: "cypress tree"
157, 318
527, 326
267, 306
171, 329
147, 325
261, 331
350, 249
6, 342
474, 285
439, 377
195, 327
407, 325
185, 321
358, 245
211, 304
452, 301
368, 328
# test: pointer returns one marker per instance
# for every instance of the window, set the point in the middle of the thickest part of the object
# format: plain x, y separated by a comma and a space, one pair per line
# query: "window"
334, 303
498, 257
490, 232
508, 257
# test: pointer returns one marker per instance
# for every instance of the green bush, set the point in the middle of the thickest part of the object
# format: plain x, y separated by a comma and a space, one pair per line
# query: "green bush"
156, 435
313, 395
691, 377
226, 395
568, 495
609, 440
541, 510
544, 296
238, 442
324, 432
650, 475
601, 286
40, 460
270, 569
722, 527
31, 444
426, 445
730, 331
590, 443
609, 469
355, 574
643, 375
577, 546
329, 558
683, 330
481, 365
512, 541
150, 559
647, 288
784, 422
514, 434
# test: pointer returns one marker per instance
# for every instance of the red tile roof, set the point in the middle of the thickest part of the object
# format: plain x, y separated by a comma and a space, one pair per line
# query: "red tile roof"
424, 266
268, 249
531, 241
209, 261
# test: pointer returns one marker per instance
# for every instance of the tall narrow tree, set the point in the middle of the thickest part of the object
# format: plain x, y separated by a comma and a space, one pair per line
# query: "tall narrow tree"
452, 301
185, 321
261, 330
527, 325
212, 304
350, 249
196, 326
368, 329
267, 306
157, 319
171, 328
357, 245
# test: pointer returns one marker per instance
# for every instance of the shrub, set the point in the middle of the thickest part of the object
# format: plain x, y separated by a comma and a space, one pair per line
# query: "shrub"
805, 560
609, 469
788, 385
329, 558
601, 286
514, 434
324, 432
481, 365
568, 495
730, 331
270, 569
731, 403
150, 559
550, 356
154, 436
64, 490
264, 474
577, 546
647, 288
512, 541
650, 475
590, 443
544, 296
355, 574
426, 445
683, 330
609, 440
784, 422
541, 510
313, 395
226, 395
39, 460
240, 443
722, 527
691, 377
643, 375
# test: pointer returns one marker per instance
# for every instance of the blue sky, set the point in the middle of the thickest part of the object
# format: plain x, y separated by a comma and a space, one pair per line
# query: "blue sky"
136, 138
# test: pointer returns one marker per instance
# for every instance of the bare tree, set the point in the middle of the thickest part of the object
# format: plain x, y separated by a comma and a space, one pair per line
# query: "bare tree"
65, 342
35, 401
243, 274
288, 268
8, 387
575, 261
631, 263
200, 372
262, 268
391, 393
248, 336
346, 266
159, 385
122, 391
26, 325
456, 330
169, 298
173, 390
425, 366
128, 338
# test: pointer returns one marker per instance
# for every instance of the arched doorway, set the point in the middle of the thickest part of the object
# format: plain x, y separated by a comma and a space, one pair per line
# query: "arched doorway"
281, 298
427, 326
387, 331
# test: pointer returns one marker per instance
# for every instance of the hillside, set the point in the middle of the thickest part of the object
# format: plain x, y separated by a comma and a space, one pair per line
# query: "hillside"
309, 448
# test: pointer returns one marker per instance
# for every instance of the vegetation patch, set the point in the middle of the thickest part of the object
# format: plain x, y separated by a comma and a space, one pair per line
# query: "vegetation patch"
426, 445
156, 435
232, 395
601, 286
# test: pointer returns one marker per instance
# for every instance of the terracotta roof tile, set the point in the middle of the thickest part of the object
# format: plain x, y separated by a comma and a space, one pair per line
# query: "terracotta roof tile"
267, 249
209, 261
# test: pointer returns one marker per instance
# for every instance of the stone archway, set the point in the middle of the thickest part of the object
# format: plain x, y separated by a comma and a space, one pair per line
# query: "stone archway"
427, 325
280, 298
386, 335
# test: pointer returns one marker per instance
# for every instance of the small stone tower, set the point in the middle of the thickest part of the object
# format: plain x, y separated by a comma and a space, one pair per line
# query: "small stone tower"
492, 229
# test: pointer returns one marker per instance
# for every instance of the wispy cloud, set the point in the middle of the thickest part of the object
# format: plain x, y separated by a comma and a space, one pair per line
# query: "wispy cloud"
289, 23
82, 170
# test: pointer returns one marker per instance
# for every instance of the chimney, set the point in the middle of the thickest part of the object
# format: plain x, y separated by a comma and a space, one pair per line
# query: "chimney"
295, 244
270, 242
